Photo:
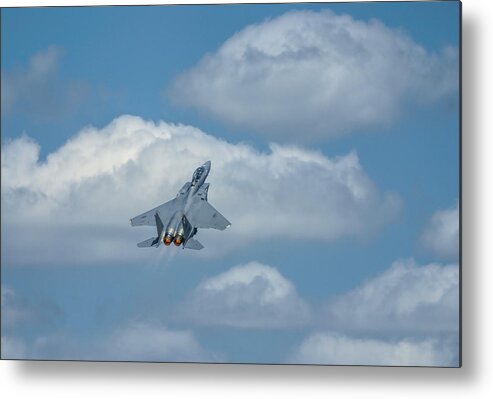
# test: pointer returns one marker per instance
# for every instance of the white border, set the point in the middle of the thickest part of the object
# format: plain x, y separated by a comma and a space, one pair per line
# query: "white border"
474, 380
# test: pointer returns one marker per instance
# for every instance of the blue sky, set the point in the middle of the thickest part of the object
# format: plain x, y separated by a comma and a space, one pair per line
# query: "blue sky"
371, 141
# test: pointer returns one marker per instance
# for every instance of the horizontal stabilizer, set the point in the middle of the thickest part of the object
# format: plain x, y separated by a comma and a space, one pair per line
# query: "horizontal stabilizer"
150, 242
193, 244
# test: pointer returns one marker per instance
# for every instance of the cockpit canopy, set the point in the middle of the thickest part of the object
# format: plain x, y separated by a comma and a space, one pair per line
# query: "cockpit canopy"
198, 174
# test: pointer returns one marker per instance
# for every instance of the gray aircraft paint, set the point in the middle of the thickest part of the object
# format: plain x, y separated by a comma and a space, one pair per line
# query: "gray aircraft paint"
178, 220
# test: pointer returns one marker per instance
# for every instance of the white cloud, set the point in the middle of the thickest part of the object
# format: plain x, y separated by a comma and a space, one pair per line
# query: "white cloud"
441, 235
310, 75
134, 341
330, 348
247, 296
74, 207
152, 342
406, 316
38, 91
406, 298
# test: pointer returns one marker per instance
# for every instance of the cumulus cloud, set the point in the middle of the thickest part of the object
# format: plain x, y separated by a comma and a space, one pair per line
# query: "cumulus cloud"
135, 341
153, 342
331, 348
441, 235
406, 298
75, 206
310, 75
38, 91
247, 296
406, 316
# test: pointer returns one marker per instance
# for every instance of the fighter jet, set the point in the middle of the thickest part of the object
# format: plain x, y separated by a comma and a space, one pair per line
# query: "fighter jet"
177, 220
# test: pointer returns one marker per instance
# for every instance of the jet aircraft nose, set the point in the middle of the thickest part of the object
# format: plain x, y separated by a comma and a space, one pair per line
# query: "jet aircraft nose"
207, 165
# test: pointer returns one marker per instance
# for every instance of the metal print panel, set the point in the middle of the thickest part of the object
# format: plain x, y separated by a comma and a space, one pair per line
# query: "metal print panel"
260, 183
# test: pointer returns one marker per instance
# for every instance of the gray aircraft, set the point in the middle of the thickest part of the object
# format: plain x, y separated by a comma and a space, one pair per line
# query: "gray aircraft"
177, 220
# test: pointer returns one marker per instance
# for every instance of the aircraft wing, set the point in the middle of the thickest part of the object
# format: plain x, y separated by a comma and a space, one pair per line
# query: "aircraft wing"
148, 218
203, 215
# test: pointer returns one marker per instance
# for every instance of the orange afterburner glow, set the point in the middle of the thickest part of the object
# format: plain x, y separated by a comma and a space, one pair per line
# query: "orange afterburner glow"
178, 241
167, 240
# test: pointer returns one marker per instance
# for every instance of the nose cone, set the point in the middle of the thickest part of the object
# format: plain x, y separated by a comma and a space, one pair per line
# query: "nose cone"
207, 165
